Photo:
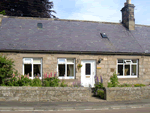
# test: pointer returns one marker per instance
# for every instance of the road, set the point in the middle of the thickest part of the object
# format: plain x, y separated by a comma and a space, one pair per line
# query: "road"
131, 110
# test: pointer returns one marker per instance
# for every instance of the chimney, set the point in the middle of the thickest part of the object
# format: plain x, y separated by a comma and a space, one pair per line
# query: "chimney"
1, 17
128, 15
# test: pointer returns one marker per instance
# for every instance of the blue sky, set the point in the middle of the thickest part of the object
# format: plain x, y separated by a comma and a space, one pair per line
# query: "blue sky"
101, 10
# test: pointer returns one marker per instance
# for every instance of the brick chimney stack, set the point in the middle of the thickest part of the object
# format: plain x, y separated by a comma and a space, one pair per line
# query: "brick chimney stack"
128, 15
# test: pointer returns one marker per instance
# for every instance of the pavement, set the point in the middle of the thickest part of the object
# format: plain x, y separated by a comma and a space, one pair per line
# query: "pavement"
94, 104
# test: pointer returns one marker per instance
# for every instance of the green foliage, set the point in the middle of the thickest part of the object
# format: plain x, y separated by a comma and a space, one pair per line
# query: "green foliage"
114, 81
63, 84
98, 86
24, 81
36, 82
100, 93
51, 82
139, 85
125, 85
6, 68
3, 12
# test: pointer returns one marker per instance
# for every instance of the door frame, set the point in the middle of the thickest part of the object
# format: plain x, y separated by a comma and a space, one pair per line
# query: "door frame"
94, 70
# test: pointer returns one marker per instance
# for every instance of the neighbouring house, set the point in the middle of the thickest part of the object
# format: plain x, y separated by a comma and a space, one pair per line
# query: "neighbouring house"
40, 45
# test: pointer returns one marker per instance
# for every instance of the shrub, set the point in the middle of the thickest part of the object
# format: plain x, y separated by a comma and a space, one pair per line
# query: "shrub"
24, 81
139, 85
114, 81
36, 82
63, 84
98, 85
125, 85
50, 81
3, 12
6, 68
100, 93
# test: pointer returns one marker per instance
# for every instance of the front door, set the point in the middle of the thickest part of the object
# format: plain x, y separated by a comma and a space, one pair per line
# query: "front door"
88, 73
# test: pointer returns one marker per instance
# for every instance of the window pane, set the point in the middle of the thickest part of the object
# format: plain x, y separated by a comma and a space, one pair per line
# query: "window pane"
28, 69
27, 60
127, 70
134, 61
61, 69
61, 60
70, 60
120, 61
134, 70
37, 69
37, 61
87, 69
120, 70
70, 70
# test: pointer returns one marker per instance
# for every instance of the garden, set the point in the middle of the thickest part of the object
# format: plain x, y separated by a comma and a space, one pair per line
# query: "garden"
10, 77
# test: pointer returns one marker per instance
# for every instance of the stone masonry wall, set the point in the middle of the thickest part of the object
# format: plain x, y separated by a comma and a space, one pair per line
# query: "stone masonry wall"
32, 94
108, 65
127, 93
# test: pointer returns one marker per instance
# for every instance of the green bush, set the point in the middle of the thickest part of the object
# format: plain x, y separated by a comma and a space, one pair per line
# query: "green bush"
3, 12
100, 93
36, 82
139, 85
98, 86
125, 85
63, 84
51, 82
6, 69
113, 81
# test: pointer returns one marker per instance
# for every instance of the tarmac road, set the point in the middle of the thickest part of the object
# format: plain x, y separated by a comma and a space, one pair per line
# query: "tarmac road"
130, 110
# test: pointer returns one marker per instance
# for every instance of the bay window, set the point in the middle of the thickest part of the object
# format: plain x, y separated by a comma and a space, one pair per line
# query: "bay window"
66, 68
127, 68
33, 67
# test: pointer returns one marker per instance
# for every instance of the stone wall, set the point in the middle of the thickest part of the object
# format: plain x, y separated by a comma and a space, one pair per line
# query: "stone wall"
107, 65
127, 93
44, 94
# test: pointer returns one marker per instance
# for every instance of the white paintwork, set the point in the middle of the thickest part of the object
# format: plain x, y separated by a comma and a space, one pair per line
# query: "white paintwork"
88, 81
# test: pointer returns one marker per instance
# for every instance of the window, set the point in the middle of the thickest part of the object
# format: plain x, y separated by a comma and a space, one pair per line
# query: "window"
33, 67
66, 68
127, 68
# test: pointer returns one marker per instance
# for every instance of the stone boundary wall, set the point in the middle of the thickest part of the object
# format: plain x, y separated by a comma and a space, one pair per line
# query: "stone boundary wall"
31, 94
127, 93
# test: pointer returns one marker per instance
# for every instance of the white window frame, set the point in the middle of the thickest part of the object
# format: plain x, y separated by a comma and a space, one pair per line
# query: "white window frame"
128, 76
32, 66
65, 77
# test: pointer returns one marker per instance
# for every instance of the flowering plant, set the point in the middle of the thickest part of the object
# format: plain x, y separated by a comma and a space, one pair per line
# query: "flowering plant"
79, 66
77, 84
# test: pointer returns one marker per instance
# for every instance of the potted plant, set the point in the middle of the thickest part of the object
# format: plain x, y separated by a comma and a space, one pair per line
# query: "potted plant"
79, 66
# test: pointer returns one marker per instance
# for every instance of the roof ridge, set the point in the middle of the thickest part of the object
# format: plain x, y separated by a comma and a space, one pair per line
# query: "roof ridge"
73, 20
37, 18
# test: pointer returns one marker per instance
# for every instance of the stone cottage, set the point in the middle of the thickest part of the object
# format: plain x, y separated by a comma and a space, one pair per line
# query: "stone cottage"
40, 45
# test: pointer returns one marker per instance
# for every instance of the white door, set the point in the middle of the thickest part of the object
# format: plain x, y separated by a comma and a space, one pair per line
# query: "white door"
88, 72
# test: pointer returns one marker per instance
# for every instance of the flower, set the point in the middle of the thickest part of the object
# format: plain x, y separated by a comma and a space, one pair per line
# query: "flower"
101, 80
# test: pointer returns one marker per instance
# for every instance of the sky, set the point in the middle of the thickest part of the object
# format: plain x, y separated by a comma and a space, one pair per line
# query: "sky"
101, 10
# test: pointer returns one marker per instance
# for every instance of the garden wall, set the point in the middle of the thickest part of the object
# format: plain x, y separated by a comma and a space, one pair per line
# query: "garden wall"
127, 93
44, 94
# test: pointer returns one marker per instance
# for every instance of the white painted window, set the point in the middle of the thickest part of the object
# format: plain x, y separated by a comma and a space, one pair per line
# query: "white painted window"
66, 68
33, 67
127, 68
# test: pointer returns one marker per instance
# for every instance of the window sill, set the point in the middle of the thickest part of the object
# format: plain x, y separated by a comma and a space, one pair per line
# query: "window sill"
127, 76
66, 77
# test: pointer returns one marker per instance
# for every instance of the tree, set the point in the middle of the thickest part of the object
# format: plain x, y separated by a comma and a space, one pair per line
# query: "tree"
6, 68
28, 8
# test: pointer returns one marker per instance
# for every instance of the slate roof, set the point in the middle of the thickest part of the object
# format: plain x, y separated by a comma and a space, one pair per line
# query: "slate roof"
68, 35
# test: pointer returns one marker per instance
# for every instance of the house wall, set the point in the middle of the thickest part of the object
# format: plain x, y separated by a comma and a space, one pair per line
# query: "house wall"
108, 65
